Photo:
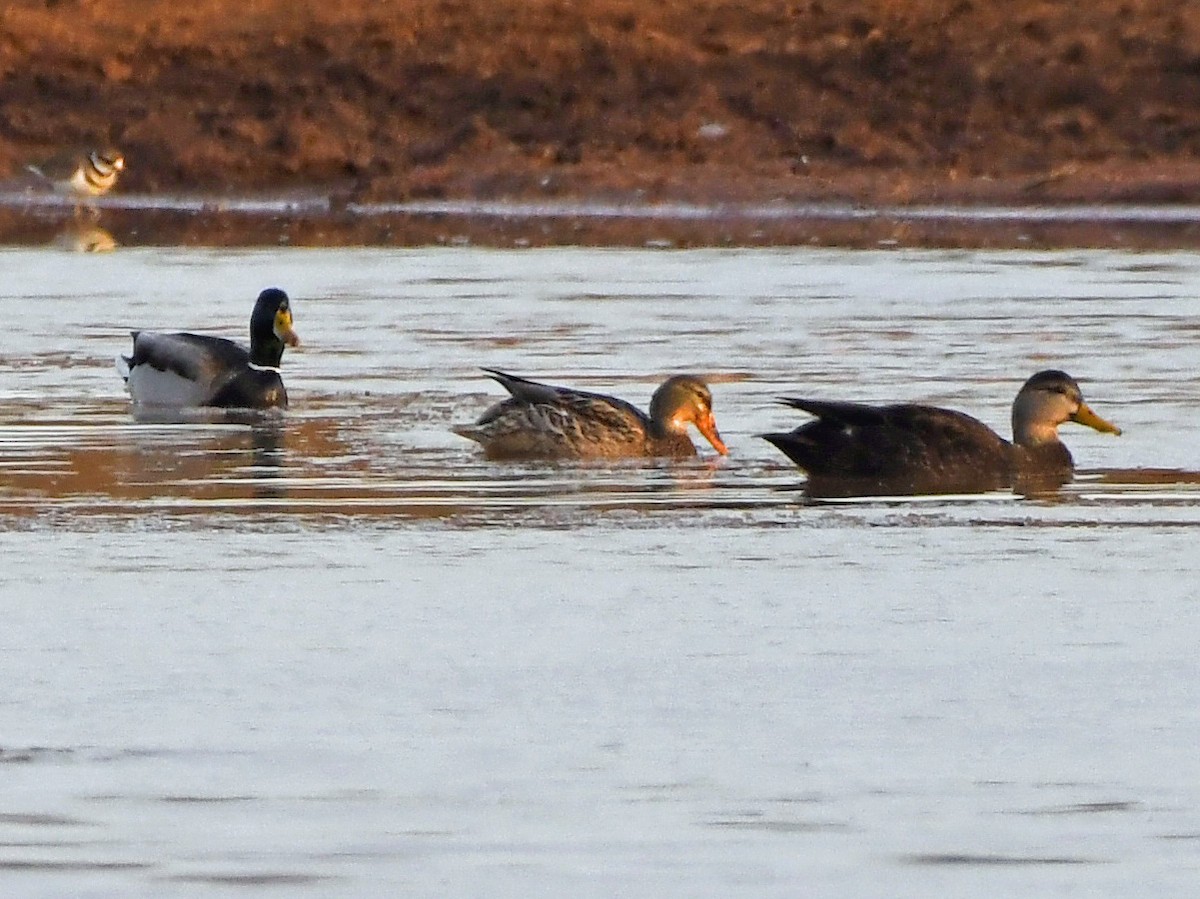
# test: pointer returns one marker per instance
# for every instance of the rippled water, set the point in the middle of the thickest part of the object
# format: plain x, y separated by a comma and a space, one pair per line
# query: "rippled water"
337, 653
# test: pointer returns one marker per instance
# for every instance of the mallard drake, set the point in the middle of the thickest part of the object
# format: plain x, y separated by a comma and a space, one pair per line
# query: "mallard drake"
856, 449
539, 421
185, 370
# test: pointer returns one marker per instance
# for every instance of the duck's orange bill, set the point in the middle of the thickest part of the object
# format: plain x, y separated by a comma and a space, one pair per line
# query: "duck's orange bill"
1085, 416
707, 426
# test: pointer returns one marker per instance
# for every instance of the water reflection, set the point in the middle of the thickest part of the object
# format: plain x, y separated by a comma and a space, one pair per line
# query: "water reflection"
82, 236
1149, 477
189, 459
1044, 486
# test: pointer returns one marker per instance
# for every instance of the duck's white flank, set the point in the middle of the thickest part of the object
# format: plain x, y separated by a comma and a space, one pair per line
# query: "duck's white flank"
150, 387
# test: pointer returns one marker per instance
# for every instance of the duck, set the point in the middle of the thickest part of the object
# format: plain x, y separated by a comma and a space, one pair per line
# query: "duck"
541, 421
857, 449
182, 370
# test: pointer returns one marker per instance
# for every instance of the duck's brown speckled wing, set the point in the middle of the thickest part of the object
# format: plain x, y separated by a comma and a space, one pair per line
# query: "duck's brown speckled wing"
901, 449
545, 421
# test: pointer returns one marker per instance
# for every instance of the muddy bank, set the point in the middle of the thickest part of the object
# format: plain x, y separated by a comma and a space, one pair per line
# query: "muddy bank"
864, 100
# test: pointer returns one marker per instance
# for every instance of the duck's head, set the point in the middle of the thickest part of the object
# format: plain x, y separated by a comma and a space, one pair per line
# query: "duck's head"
271, 327
684, 399
1047, 400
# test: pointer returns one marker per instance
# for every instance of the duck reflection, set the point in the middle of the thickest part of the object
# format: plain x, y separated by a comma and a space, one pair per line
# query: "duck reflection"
189, 462
213, 454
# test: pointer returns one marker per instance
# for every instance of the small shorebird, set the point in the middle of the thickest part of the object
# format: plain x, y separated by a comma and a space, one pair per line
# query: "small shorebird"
83, 173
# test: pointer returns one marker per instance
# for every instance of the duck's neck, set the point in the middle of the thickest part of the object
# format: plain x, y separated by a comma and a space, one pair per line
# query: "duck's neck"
1031, 434
1045, 457
1038, 446
667, 427
670, 438
268, 352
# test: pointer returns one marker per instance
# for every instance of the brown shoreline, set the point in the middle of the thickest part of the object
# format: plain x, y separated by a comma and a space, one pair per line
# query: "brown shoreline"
867, 101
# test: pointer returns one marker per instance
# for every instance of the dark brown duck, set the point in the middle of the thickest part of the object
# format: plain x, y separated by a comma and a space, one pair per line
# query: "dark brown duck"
856, 449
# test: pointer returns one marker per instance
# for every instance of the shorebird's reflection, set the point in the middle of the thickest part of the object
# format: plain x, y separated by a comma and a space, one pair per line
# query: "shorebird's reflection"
79, 236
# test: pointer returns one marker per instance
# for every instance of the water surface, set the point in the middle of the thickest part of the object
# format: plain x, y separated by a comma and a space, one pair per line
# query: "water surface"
337, 653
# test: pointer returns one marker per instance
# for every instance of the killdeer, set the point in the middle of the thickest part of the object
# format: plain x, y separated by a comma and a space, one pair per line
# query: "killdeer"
85, 174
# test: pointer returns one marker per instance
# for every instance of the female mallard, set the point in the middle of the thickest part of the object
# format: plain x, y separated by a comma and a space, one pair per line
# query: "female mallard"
543, 422
909, 449
185, 370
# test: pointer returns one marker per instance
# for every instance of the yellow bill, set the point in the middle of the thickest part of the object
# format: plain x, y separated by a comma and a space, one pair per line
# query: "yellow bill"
283, 328
1085, 416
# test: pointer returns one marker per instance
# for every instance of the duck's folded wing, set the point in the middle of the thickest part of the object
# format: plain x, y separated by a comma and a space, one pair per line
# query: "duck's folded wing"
524, 390
854, 414
603, 411
196, 357
592, 409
